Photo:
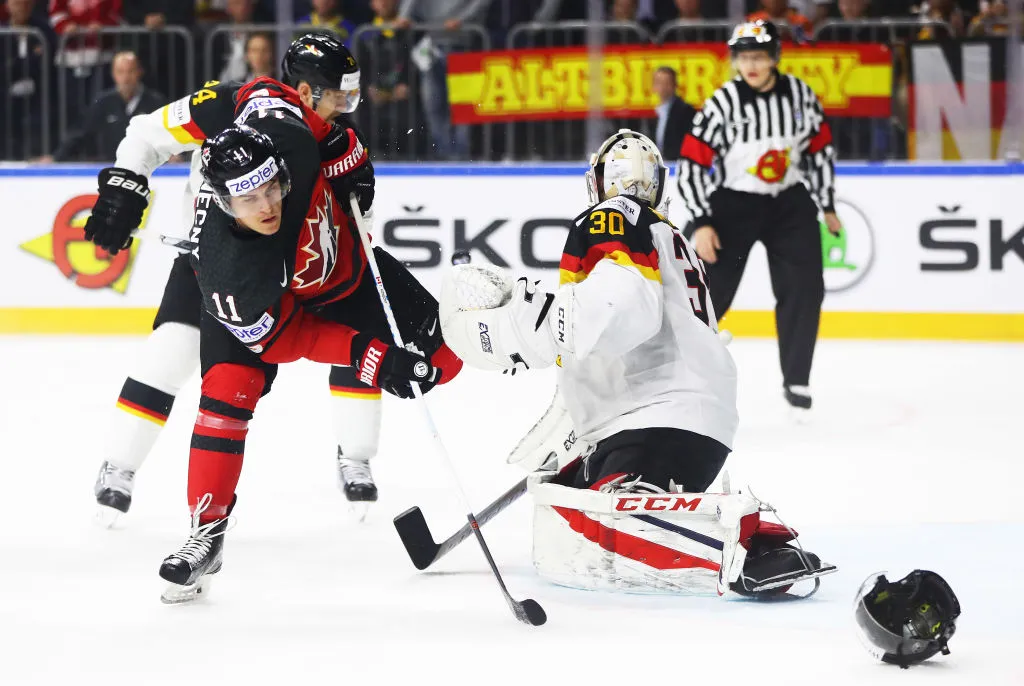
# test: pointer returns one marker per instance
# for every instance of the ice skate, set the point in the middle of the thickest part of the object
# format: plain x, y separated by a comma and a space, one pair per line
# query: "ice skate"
188, 570
356, 481
113, 490
799, 399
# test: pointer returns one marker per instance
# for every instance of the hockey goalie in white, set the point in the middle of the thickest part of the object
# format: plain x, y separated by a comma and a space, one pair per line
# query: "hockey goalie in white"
647, 399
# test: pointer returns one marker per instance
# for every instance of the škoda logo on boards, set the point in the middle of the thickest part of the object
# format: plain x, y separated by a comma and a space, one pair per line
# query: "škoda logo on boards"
848, 257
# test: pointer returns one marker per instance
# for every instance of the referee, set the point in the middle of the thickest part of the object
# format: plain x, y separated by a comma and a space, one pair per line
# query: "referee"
740, 177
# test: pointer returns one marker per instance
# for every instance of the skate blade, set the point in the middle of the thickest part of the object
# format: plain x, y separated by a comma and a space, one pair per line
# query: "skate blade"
359, 509
106, 517
795, 578
800, 415
176, 594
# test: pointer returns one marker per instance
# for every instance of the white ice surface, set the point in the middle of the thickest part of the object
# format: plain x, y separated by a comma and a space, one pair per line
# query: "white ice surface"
914, 459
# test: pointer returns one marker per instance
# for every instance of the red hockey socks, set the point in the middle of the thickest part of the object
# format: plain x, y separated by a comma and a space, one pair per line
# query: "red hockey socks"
230, 393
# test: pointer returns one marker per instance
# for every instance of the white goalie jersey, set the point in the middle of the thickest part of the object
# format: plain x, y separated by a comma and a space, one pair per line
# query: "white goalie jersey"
651, 355
631, 326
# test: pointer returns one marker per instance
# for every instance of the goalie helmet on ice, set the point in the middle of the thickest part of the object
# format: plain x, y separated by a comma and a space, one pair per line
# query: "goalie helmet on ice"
907, 621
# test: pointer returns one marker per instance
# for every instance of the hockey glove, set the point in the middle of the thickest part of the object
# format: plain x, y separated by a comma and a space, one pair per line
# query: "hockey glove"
119, 209
346, 164
390, 368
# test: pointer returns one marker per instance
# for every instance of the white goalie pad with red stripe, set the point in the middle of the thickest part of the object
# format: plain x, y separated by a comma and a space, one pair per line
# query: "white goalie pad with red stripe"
687, 543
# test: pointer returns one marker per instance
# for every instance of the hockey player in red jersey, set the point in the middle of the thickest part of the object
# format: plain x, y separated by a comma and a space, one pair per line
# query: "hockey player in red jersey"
325, 79
647, 382
283, 277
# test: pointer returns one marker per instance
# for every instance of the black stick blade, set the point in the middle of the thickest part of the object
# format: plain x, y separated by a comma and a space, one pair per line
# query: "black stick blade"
529, 611
415, 534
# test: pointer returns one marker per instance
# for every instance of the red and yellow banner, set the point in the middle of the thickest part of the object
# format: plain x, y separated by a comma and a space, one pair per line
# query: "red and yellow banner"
554, 83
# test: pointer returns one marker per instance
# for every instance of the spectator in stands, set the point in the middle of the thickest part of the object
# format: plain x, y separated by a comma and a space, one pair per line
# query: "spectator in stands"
992, 20
623, 10
431, 57
851, 10
155, 14
259, 55
23, 118
675, 117
385, 66
103, 125
792, 24
946, 11
327, 14
689, 9
84, 50
233, 43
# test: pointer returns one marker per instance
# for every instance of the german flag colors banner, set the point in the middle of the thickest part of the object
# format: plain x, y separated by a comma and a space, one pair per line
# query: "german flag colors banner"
957, 100
554, 83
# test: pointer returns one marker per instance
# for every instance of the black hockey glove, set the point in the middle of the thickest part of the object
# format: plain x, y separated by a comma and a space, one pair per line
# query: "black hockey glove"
389, 368
118, 211
347, 165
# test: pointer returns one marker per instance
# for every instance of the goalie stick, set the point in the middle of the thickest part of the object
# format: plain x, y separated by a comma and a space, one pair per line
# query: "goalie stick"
527, 611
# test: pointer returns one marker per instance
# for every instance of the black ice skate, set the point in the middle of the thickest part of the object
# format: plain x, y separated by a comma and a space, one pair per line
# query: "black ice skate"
798, 396
188, 570
113, 491
769, 572
356, 480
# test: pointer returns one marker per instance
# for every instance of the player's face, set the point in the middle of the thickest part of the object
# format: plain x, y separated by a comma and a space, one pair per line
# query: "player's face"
756, 67
334, 102
260, 210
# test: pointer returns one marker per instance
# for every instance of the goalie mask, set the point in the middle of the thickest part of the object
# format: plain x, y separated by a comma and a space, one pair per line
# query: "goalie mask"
628, 163
907, 621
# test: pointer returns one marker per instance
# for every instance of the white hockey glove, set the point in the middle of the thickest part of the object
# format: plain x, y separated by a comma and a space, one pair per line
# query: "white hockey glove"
492, 323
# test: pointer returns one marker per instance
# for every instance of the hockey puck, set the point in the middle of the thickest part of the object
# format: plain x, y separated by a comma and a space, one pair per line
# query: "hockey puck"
461, 257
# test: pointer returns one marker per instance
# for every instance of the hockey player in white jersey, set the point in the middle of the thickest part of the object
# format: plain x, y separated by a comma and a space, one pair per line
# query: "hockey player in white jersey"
646, 381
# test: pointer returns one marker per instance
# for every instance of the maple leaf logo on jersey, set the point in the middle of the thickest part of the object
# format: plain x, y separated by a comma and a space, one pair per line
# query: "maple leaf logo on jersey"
772, 166
321, 250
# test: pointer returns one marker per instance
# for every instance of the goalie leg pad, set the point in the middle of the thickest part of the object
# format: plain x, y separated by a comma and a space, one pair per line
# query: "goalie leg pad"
638, 542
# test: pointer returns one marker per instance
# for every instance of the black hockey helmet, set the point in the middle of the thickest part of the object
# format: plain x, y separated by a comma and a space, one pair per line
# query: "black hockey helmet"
907, 621
237, 162
756, 35
320, 59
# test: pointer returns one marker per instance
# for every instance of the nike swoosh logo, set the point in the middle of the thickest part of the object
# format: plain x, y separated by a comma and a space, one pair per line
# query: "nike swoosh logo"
284, 282
433, 327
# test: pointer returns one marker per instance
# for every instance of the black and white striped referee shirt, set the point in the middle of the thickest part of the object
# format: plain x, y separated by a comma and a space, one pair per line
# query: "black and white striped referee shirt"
755, 142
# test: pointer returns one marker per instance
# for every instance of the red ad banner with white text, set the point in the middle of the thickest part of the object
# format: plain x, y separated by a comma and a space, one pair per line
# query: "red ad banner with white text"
554, 83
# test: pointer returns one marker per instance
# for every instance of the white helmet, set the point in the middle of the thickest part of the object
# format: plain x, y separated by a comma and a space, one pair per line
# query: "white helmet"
628, 163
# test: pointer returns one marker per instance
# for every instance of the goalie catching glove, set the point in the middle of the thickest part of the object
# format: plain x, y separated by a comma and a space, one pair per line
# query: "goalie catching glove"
494, 323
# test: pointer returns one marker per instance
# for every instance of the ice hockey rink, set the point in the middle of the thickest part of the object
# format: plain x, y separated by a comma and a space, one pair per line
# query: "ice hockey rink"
913, 459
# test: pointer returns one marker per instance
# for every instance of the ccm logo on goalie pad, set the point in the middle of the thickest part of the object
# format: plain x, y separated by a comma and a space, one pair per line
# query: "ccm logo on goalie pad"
655, 503
251, 334
485, 338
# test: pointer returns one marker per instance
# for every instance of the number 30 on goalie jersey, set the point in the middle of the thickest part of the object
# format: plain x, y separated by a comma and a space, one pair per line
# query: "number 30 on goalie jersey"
632, 234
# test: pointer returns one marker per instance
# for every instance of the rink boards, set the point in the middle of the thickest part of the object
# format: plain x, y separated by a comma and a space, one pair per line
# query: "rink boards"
929, 251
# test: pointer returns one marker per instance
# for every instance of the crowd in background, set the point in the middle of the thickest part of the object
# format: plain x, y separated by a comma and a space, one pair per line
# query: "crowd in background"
95, 82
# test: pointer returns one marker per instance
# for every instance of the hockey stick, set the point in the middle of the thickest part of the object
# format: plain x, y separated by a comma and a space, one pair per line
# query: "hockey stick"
527, 611
419, 543
182, 245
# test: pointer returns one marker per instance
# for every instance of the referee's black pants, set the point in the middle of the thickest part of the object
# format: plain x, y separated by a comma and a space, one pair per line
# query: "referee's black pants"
787, 225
